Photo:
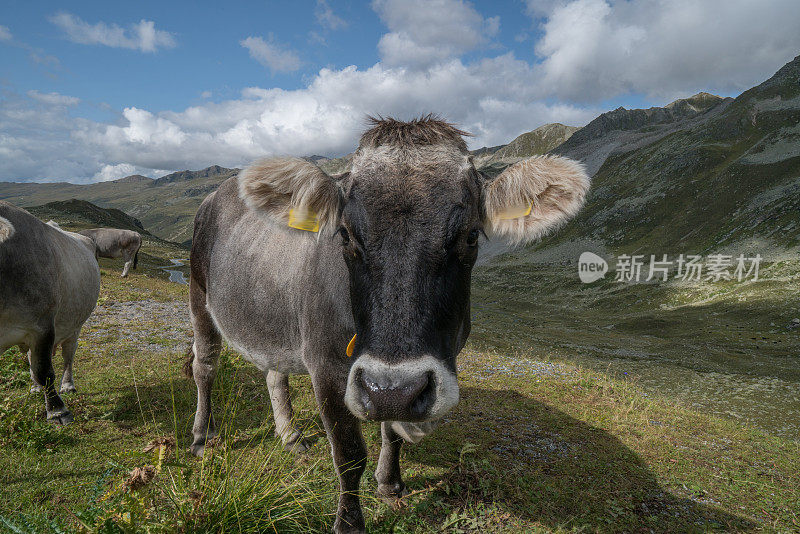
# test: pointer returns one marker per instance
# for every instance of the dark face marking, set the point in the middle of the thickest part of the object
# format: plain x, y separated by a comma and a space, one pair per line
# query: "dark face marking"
410, 242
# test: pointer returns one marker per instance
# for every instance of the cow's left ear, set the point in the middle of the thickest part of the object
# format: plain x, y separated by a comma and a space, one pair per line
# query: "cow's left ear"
533, 197
291, 191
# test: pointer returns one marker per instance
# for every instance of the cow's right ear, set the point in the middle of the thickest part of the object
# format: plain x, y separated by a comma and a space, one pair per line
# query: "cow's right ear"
291, 191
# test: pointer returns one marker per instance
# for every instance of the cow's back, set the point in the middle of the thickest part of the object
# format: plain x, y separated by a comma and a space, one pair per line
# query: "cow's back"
273, 291
46, 277
110, 242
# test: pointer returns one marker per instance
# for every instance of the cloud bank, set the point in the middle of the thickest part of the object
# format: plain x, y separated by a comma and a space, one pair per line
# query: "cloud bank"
588, 51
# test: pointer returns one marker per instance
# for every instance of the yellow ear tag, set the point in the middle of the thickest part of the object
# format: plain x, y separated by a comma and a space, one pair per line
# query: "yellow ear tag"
515, 212
304, 220
351, 346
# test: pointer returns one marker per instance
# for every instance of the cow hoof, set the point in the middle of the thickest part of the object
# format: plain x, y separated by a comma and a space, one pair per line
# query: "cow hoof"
63, 419
341, 527
36, 388
198, 449
297, 443
392, 491
68, 388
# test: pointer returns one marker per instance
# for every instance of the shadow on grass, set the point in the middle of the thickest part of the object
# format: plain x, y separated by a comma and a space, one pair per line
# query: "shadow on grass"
530, 461
541, 465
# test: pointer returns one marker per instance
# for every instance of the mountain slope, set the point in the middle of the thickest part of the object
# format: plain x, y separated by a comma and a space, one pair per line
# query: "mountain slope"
539, 141
720, 177
166, 205
81, 214
623, 130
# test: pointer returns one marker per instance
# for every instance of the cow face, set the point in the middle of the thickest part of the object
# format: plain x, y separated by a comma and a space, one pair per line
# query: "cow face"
408, 218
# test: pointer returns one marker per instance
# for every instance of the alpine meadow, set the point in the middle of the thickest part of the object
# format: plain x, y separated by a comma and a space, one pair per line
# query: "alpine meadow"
543, 256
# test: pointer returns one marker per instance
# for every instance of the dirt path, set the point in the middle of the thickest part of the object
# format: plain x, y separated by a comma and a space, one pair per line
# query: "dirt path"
139, 322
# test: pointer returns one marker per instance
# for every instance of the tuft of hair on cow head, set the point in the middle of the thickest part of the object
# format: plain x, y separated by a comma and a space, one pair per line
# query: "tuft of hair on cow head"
276, 187
534, 197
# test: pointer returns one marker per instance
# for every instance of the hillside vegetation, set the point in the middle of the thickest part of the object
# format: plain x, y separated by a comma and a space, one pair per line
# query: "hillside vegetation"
728, 179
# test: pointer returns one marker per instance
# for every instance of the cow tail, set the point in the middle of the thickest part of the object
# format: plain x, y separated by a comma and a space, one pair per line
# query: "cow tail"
187, 364
6, 229
136, 258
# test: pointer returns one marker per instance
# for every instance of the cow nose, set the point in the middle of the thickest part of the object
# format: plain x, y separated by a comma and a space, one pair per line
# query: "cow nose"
413, 390
385, 397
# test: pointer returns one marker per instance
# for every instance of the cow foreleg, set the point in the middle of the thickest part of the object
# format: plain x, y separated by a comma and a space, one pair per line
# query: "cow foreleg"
41, 360
205, 351
35, 386
68, 349
279, 396
348, 449
387, 474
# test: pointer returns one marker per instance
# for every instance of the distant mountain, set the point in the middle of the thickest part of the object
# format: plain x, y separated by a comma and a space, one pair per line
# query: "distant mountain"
622, 130
486, 150
133, 178
702, 174
166, 205
539, 141
185, 176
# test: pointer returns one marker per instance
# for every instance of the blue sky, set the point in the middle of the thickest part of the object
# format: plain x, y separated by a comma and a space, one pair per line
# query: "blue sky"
97, 90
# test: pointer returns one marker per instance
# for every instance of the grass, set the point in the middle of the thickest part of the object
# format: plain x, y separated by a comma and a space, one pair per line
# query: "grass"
723, 348
534, 445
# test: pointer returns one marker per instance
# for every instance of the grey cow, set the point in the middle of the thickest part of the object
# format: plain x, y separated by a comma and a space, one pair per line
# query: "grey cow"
288, 264
49, 284
116, 243
86, 241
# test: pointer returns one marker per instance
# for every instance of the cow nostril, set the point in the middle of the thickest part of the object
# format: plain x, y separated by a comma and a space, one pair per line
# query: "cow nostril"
370, 383
422, 403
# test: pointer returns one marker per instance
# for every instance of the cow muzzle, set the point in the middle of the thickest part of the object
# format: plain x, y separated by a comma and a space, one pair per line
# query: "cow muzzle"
422, 389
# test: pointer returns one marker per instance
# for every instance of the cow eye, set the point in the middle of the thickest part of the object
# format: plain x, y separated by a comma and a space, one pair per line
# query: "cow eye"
345, 235
472, 238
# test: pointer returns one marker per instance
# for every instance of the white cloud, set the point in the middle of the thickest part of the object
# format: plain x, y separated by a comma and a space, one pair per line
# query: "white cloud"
427, 32
142, 36
326, 117
121, 170
590, 50
272, 55
327, 18
596, 49
206, 94
53, 99
5, 33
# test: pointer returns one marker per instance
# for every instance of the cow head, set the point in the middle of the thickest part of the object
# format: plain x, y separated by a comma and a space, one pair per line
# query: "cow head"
408, 218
